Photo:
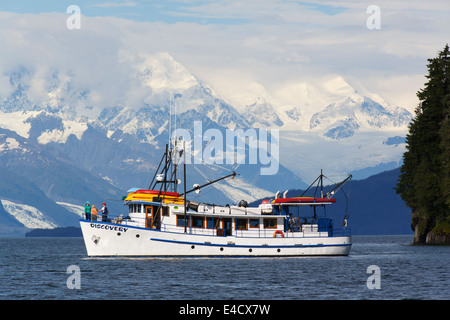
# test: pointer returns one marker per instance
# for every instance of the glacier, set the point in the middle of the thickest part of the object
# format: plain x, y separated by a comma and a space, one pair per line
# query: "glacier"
27, 215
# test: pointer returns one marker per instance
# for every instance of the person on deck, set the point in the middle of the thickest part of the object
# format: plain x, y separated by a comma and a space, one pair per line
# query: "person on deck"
104, 211
87, 210
94, 213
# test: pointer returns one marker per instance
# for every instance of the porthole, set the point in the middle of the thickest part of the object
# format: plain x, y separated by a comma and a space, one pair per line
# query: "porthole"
137, 236
192, 247
250, 250
221, 249
118, 233
278, 250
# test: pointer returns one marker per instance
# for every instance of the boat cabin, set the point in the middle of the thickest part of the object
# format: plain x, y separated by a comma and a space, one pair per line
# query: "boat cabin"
166, 212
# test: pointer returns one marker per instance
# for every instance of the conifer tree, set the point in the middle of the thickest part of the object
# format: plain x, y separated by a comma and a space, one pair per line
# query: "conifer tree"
424, 176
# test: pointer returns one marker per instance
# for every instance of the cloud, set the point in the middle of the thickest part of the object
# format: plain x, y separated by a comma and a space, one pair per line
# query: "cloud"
59, 61
114, 4
244, 49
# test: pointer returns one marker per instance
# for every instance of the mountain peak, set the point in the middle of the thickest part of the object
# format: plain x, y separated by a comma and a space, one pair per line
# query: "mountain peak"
338, 86
262, 114
342, 119
162, 73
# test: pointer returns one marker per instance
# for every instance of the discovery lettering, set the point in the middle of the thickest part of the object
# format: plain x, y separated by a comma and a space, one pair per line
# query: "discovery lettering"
108, 227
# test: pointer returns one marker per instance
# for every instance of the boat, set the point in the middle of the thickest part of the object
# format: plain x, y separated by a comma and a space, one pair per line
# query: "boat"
163, 222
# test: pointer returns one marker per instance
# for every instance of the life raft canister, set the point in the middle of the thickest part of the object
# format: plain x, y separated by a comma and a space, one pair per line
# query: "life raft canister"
278, 234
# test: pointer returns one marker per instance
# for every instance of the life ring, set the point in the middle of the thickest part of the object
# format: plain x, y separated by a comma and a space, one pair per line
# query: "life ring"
278, 234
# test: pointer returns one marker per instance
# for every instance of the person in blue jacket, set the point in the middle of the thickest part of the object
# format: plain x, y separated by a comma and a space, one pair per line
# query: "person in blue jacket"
105, 212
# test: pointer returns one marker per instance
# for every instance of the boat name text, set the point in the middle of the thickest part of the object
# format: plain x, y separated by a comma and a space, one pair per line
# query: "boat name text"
108, 227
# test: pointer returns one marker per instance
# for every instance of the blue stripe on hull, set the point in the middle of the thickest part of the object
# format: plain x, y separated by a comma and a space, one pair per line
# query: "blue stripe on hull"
251, 246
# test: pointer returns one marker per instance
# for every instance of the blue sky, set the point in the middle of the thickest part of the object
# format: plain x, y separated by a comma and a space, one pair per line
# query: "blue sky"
260, 47
158, 10
148, 10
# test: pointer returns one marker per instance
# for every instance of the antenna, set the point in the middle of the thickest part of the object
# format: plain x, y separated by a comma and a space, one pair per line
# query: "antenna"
184, 181
170, 116
321, 183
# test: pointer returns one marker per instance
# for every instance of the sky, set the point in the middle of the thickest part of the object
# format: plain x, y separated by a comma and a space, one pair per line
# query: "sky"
243, 49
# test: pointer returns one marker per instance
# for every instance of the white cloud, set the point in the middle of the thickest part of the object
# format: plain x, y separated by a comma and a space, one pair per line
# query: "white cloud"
114, 4
5, 86
243, 49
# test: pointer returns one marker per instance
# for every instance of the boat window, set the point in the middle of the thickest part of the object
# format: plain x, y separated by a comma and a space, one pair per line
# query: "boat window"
197, 222
241, 224
134, 208
212, 223
180, 220
164, 210
254, 223
270, 223
209, 223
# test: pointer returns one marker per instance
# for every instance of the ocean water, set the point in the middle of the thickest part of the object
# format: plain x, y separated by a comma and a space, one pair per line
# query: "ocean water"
37, 268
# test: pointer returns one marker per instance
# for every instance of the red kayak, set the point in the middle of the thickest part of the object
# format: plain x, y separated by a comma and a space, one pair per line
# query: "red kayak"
144, 191
304, 200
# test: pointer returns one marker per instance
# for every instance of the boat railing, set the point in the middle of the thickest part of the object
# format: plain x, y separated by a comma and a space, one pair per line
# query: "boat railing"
306, 230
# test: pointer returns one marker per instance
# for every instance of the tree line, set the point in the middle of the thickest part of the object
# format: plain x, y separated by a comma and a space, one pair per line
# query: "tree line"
424, 182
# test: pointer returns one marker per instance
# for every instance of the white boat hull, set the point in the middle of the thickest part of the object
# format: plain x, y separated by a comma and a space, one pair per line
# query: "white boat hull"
108, 239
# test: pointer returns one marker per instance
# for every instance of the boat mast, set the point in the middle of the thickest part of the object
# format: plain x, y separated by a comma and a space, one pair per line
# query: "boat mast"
175, 165
166, 168
184, 182
330, 193
321, 183
214, 181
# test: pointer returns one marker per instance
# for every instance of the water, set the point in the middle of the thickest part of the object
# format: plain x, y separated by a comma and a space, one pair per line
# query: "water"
36, 268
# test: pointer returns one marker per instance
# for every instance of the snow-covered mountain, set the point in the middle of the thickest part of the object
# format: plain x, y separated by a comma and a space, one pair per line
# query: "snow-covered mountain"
262, 114
335, 111
79, 140
343, 119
